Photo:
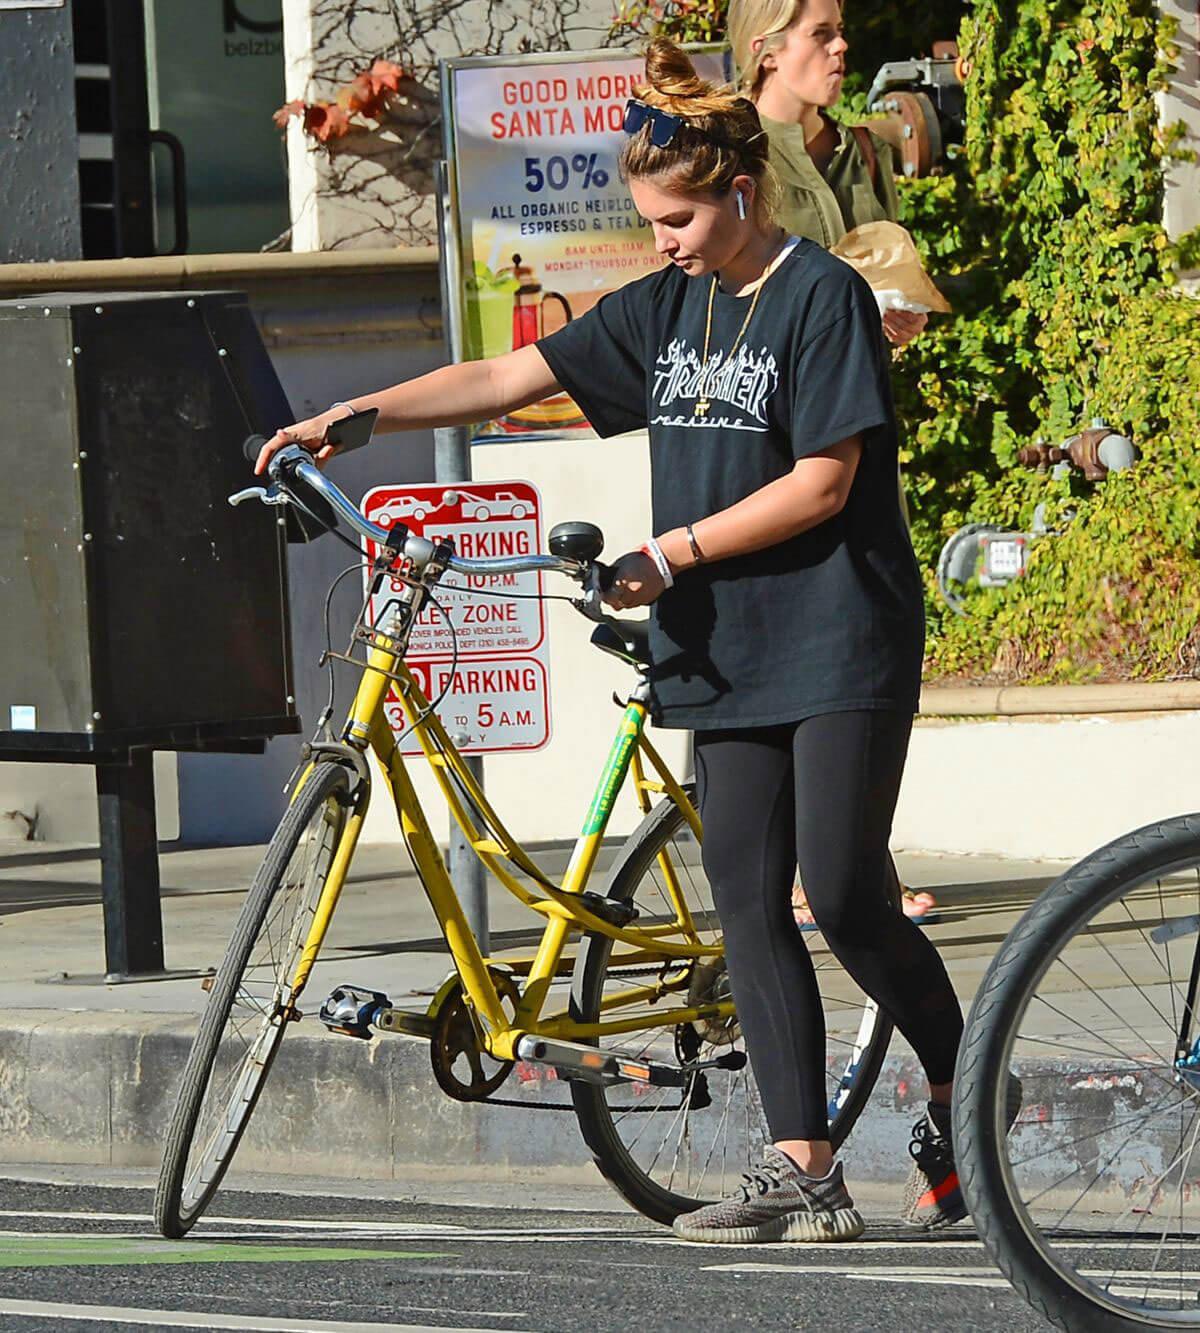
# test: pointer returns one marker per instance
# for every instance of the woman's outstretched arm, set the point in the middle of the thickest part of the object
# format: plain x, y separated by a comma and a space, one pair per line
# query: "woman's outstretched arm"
455, 395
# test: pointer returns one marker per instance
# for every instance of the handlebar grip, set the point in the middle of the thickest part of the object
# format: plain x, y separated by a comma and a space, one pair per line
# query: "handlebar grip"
252, 446
316, 504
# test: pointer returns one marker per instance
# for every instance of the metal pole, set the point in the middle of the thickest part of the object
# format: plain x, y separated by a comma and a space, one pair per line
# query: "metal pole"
129, 884
452, 463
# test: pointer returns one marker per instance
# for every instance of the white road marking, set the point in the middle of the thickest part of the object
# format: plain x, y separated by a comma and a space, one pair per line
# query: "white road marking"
926, 1244
959, 1277
326, 1227
344, 1224
198, 1319
920, 1275
325, 1230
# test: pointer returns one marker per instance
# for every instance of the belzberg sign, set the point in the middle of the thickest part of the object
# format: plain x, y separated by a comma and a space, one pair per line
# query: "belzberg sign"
496, 691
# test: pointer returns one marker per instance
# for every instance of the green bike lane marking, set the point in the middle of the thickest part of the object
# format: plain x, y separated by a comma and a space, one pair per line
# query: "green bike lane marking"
68, 1251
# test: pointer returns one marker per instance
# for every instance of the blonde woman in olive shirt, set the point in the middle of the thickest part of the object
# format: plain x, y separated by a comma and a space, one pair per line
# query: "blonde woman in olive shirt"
790, 55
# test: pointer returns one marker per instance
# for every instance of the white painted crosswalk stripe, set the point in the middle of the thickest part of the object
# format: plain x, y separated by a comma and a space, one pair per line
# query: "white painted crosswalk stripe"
954, 1277
159, 1319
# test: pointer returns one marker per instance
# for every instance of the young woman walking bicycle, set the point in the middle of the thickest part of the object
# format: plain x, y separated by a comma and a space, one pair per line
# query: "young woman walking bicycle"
787, 626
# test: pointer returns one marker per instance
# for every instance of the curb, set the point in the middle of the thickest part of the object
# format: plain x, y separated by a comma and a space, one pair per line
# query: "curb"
89, 1089
98, 1089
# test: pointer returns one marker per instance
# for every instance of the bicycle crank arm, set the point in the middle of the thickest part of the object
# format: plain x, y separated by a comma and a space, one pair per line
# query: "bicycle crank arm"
575, 1060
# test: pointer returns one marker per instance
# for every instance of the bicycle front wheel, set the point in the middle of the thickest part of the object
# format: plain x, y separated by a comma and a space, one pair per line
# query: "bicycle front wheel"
671, 1150
248, 1008
1091, 1206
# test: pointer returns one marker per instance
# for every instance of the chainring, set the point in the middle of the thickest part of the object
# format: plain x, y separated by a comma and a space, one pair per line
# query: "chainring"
462, 1068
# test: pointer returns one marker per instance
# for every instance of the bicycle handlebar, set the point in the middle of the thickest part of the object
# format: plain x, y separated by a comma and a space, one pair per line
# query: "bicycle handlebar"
293, 464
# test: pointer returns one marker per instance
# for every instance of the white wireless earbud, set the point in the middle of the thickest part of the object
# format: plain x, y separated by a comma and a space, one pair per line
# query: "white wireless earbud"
741, 205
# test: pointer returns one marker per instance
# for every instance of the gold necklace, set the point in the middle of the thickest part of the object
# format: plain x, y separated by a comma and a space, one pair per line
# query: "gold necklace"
701, 405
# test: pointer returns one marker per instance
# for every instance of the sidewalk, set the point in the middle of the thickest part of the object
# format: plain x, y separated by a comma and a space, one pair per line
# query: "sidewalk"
88, 1070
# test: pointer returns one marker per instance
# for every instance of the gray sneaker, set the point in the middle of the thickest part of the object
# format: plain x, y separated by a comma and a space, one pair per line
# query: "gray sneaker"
777, 1201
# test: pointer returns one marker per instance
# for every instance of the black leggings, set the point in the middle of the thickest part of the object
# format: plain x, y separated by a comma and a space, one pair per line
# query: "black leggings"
820, 793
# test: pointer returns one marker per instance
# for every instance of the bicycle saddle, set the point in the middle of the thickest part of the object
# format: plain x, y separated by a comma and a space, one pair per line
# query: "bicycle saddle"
631, 643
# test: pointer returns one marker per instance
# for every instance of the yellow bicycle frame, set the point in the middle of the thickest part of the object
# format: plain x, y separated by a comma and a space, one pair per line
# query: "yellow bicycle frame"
563, 906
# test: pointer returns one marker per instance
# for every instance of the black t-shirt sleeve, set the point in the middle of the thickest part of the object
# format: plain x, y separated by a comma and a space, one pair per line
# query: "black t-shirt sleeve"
600, 359
840, 385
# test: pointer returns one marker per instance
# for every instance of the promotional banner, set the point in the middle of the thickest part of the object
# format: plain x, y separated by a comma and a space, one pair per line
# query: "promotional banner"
545, 225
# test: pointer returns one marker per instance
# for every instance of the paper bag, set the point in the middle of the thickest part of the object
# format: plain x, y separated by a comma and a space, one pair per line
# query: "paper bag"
884, 253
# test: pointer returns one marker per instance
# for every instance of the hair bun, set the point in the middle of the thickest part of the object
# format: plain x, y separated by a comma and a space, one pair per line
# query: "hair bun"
671, 74
722, 139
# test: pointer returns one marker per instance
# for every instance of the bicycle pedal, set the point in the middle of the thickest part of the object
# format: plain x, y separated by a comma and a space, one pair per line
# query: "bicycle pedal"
350, 1011
613, 910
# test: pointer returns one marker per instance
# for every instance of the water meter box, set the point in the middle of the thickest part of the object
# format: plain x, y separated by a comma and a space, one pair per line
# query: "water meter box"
139, 608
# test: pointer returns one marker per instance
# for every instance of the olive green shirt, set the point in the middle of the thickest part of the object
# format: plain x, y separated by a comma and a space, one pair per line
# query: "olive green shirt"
825, 207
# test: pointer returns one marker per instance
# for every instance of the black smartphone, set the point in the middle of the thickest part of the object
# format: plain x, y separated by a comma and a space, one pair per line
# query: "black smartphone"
352, 432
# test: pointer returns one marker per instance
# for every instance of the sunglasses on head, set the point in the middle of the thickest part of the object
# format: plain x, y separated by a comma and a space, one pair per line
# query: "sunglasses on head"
663, 125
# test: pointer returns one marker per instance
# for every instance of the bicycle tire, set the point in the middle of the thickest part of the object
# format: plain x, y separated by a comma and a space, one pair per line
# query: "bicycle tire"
186, 1185
598, 1108
1078, 920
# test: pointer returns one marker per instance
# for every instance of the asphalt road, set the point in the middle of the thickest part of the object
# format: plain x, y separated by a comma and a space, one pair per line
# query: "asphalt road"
84, 1258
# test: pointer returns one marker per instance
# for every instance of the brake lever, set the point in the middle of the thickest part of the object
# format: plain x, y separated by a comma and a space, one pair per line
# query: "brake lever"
269, 495
591, 604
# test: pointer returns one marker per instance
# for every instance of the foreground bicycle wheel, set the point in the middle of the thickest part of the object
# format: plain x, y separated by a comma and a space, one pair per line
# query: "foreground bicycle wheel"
1091, 1207
247, 1013
670, 1150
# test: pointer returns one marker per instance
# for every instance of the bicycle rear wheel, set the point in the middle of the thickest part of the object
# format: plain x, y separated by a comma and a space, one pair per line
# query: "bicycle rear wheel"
1091, 1206
247, 1011
671, 1150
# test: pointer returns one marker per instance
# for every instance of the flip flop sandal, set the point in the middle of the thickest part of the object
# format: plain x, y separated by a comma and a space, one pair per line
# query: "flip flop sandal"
923, 902
918, 905
801, 912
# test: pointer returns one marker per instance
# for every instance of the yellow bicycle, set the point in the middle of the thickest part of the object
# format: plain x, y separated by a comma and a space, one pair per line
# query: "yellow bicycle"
626, 996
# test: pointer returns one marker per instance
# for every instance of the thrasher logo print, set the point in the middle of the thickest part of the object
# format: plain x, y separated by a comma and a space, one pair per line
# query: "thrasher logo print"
738, 387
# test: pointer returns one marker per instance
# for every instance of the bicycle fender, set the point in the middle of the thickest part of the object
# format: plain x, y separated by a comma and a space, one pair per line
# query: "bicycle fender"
345, 754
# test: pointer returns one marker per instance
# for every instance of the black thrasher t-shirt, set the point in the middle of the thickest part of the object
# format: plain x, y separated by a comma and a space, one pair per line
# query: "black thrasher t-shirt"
827, 621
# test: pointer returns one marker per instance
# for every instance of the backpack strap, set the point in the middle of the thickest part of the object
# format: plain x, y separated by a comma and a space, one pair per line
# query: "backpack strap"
862, 136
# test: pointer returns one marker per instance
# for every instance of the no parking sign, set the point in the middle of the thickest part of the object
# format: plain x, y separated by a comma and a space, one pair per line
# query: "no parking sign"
497, 694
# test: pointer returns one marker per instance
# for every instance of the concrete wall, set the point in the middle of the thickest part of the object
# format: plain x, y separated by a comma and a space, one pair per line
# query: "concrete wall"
1045, 787
1181, 103
39, 153
57, 802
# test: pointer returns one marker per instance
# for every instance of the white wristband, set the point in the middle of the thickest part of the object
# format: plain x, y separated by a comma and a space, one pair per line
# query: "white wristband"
654, 551
340, 404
